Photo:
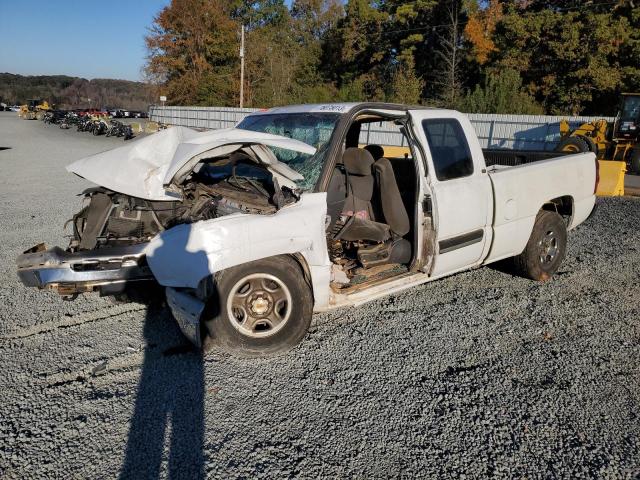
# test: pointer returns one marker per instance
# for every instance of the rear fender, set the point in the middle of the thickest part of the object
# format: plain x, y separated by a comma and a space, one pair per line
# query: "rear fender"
184, 255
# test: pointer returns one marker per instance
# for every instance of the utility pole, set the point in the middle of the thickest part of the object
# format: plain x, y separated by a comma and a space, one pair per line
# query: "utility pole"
242, 66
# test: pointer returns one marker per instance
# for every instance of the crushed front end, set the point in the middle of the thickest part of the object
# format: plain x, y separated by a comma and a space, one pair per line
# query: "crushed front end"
107, 270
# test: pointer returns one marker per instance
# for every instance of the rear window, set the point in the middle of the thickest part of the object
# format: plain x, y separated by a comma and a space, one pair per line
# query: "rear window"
449, 148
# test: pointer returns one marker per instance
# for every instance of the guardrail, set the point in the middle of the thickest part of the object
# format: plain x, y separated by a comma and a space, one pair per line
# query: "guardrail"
522, 132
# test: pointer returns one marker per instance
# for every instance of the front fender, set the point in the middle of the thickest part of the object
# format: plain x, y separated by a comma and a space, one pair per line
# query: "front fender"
183, 255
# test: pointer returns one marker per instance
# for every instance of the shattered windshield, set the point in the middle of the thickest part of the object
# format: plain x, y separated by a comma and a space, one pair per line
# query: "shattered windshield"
314, 129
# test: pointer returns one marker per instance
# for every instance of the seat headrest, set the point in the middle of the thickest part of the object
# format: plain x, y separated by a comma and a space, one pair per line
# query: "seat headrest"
357, 161
376, 151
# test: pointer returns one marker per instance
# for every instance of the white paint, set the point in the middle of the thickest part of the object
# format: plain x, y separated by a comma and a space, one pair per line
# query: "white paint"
185, 254
461, 205
146, 167
520, 192
502, 202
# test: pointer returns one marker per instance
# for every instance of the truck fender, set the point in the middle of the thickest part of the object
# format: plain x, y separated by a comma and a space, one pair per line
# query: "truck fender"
185, 254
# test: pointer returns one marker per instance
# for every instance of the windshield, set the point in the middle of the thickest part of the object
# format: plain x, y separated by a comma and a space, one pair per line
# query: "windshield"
314, 129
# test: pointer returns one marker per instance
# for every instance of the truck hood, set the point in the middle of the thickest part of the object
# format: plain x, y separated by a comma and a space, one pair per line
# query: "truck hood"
148, 168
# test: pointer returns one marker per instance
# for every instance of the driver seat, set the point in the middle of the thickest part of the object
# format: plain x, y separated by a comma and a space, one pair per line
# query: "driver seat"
374, 209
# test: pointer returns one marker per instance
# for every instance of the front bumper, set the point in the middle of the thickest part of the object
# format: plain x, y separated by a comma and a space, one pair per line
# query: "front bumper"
69, 273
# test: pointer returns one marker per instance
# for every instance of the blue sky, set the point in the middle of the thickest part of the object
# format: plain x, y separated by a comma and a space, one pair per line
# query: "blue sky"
90, 38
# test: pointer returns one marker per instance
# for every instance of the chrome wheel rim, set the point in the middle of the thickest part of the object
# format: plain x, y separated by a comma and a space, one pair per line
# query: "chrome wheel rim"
548, 247
259, 305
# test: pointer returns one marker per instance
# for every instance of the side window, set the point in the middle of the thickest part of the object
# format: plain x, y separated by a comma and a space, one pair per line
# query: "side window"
449, 148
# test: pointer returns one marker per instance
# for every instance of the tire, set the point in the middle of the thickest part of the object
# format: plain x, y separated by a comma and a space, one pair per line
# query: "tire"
634, 164
591, 145
275, 285
572, 145
545, 249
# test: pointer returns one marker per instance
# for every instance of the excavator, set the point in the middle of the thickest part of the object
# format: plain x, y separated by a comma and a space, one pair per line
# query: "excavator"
616, 145
34, 109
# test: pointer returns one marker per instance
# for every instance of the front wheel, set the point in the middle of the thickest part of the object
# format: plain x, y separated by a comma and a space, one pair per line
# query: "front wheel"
573, 145
262, 308
545, 249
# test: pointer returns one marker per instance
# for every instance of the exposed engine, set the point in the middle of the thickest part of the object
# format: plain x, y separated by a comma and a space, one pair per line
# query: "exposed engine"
217, 187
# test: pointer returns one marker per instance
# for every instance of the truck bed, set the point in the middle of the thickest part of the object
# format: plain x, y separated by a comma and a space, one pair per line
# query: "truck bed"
520, 191
512, 158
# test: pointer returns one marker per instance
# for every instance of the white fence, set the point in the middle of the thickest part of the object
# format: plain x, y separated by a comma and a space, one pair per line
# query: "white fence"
522, 132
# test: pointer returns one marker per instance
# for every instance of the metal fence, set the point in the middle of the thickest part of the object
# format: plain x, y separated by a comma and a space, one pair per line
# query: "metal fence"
522, 132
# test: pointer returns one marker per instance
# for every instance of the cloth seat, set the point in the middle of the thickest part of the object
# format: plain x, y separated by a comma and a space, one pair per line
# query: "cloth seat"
373, 199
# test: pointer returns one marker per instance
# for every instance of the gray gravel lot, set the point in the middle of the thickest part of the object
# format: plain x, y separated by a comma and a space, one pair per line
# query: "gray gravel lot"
481, 374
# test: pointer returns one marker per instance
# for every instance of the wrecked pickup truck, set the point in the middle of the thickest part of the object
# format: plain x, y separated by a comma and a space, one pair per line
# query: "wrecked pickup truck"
252, 229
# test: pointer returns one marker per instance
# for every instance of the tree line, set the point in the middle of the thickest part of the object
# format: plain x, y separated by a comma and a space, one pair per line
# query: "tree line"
494, 56
73, 92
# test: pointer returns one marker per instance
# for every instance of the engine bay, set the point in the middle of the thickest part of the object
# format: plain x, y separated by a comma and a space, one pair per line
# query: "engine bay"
216, 187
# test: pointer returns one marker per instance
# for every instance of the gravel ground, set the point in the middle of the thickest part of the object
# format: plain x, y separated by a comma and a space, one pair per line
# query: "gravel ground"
480, 374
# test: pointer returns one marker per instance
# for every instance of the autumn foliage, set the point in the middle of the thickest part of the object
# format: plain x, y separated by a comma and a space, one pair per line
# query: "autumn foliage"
480, 29
553, 56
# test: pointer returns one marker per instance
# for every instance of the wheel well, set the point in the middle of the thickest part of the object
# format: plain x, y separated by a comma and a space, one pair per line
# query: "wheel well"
300, 260
562, 206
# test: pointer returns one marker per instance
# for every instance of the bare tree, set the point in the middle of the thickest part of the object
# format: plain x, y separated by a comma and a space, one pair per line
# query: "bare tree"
448, 75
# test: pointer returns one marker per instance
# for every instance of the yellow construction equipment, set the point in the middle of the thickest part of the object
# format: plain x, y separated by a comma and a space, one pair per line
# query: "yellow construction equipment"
616, 146
611, 182
34, 109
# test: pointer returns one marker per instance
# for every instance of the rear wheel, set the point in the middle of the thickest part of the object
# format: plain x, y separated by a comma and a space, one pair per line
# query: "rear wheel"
573, 145
262, 308
545, 249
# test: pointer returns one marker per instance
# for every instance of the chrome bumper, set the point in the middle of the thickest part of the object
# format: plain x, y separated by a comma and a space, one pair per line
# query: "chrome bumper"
84, 271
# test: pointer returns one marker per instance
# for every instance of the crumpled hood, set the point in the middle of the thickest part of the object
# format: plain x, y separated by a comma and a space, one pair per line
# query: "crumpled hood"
145, 168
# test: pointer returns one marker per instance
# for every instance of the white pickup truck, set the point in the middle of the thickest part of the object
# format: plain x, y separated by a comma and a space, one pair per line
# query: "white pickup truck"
252, 229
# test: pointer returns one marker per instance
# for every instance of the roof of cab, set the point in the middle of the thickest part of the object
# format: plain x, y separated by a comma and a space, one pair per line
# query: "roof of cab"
339, 108
311, 108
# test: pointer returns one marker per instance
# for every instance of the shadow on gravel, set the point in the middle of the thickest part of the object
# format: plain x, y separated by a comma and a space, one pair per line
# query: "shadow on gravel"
170, 398
503, 266
169, 405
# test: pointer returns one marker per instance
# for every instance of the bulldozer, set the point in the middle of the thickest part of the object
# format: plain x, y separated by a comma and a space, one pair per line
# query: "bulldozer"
34, 109
617, 145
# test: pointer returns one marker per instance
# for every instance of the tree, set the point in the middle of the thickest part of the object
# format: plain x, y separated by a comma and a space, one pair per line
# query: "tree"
566, 58
356, 52
449, 55
406, 86
194, 57
501, 93
481, 27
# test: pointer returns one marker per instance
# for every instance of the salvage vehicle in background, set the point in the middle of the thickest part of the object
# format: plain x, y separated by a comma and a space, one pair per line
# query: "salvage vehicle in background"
619, 142
34, 109
251, 229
